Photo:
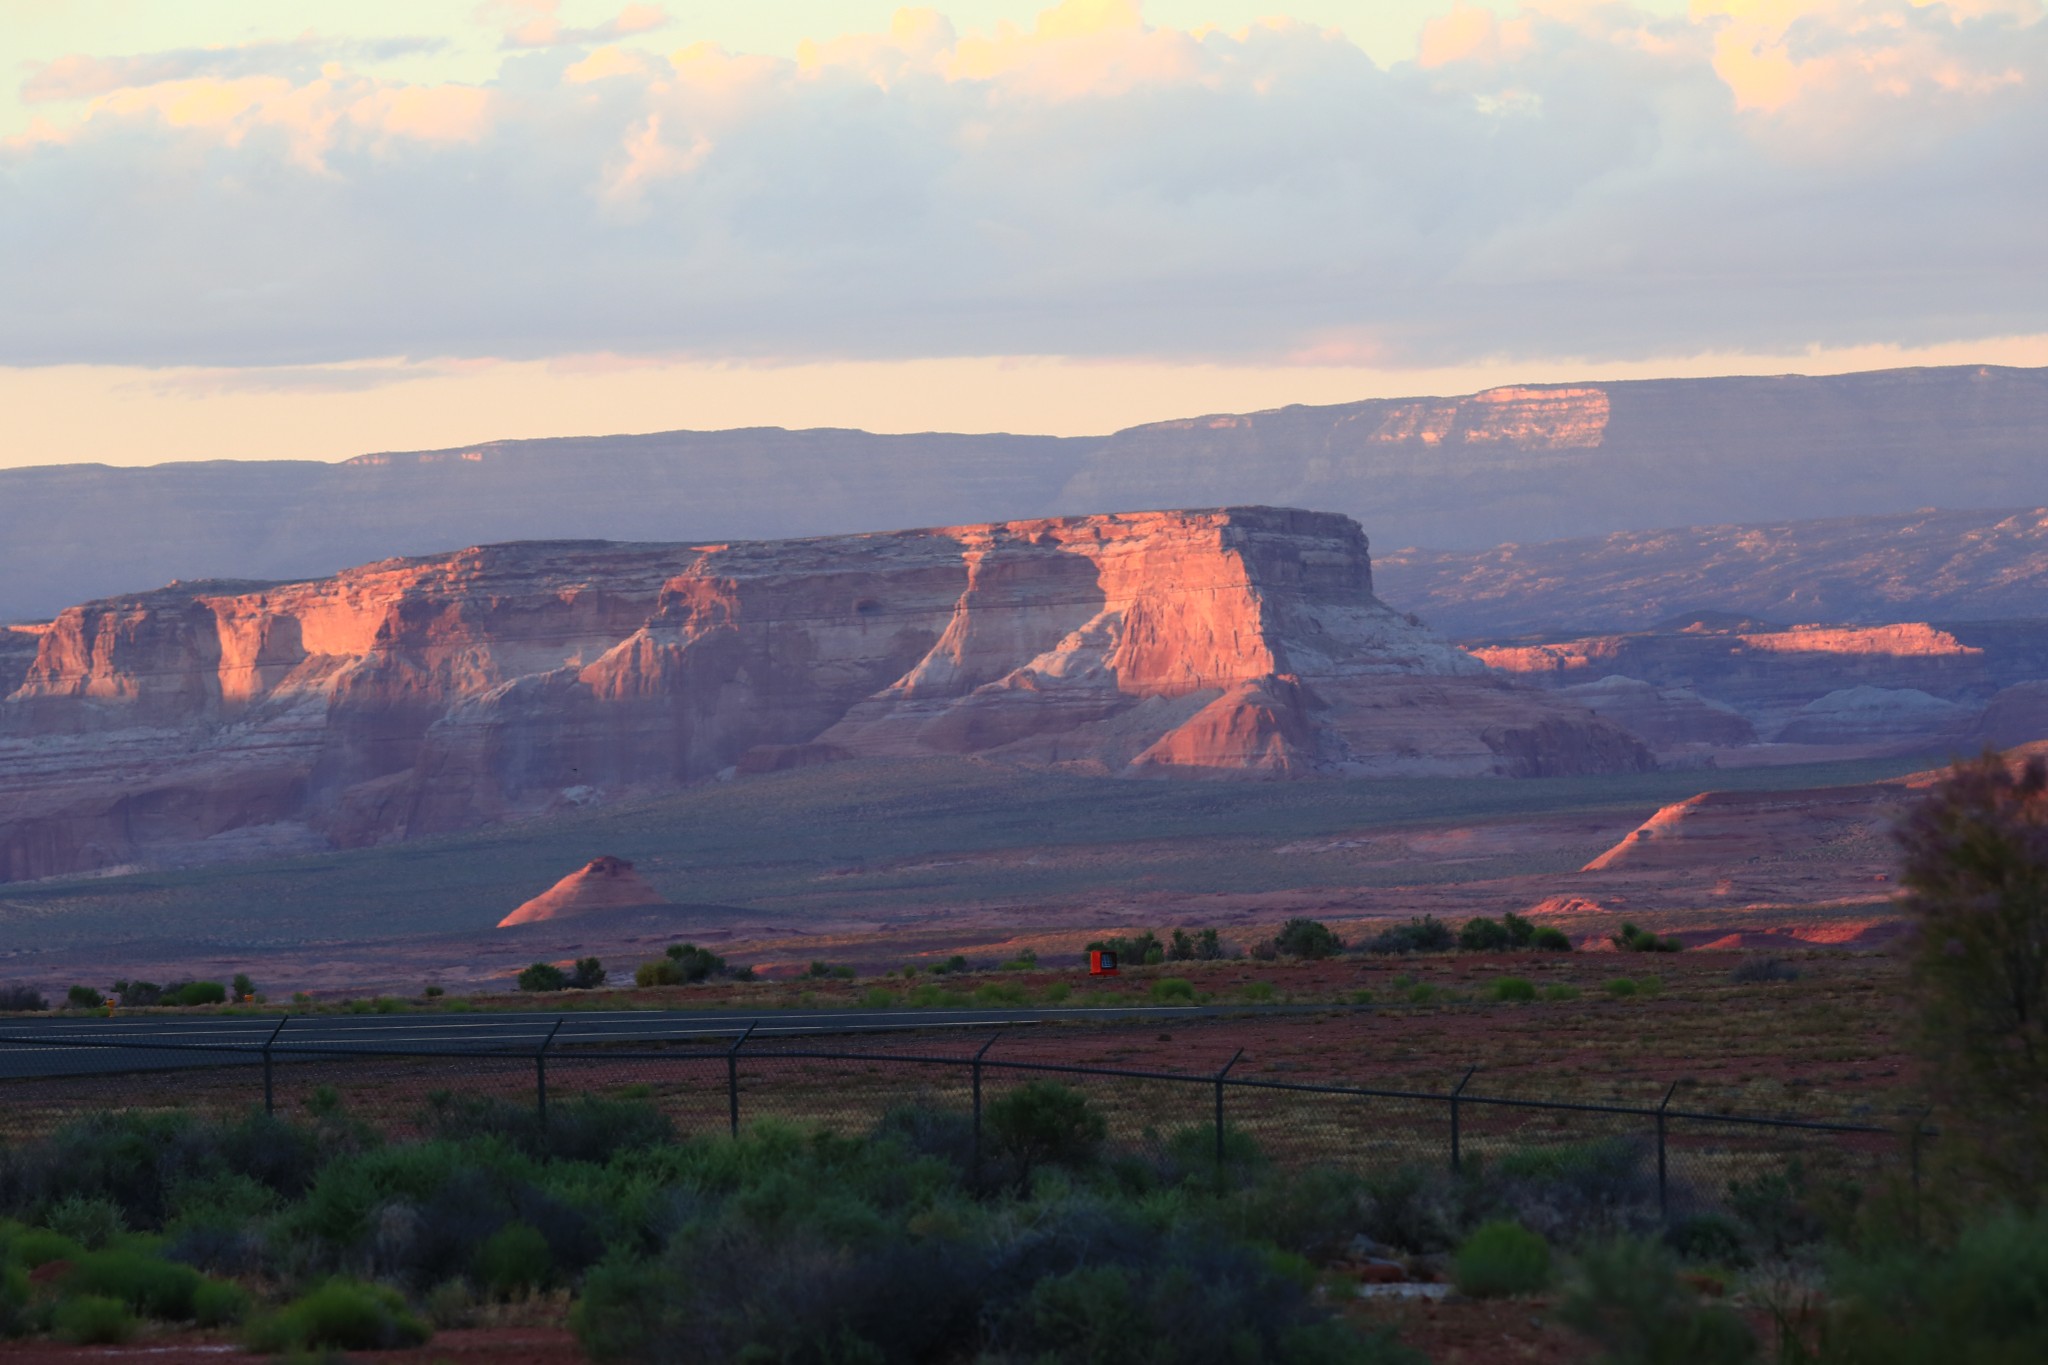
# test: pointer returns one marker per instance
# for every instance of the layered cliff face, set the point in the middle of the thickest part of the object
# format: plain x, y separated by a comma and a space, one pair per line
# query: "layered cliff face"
1525, 463
414, 696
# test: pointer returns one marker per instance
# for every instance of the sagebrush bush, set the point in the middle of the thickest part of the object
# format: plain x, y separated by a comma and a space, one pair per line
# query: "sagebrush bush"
217, 1303
191, 993
1307, 938
92, 1221
1502, 1258
1631, 939
1173, 990
1983, 1299
1512, 988
346, 1315
1551, 939
1426, 934
543, 976
93, 1320
1044, 1123
1482, 935
1630, 1300
514, 1260
145, 1283
1756, 970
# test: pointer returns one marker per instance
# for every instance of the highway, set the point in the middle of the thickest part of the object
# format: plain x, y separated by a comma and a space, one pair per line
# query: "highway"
71, 1045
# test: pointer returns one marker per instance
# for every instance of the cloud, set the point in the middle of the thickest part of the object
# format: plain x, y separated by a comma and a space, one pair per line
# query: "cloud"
1576, 180
79, 76
534, 24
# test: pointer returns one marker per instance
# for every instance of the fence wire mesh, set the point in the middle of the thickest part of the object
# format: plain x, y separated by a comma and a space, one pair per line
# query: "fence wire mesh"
1174, 1109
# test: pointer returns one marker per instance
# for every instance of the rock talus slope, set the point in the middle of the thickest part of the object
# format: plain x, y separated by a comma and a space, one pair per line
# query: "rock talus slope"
421, 695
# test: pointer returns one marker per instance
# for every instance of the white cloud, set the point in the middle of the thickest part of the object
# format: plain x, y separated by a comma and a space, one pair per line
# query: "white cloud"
1575, 179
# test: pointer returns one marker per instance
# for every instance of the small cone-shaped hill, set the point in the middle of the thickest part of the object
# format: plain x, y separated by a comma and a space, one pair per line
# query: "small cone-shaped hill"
605, 883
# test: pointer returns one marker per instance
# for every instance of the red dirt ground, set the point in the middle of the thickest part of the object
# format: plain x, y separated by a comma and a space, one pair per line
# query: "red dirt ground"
498, 1345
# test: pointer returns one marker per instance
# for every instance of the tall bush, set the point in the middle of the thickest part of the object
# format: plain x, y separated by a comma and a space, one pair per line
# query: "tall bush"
1975, 874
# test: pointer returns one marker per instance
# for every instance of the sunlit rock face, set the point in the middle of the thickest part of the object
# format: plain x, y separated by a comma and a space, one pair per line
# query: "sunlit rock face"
422, 695
603, 883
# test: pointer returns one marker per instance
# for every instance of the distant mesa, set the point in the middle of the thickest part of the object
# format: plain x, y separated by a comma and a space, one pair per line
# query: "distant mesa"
604, 883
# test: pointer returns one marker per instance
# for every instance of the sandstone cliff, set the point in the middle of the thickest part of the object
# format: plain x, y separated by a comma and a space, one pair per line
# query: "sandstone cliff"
1523, 463
413, 696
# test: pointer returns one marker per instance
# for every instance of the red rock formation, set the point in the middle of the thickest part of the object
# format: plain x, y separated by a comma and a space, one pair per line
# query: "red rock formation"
1731, 828
604, 883
414, 696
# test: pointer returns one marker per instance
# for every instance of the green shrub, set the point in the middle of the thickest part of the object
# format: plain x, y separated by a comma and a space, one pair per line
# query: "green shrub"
588, 976
90, 1221
1422, 993
1974, 869
25, 999
217, 1303
34, 1247
1560, 991
1983, 1299
1709, 1238
1056, 993
1203, 946
516, 1259
1484, 936
138, 994
15, 1314
1631, 1301
1026, 961
932, 996
1511, 988
1173, 990
1621, 988
876, 998
93, 1320
1307, 938
1131, 951
1551, 939
1001, 993
148, 1284
1258, 992
1426, 934
1193, 1145
84, 998
346, 1315
1630, 939
1043, 1122
661, 971
543, 976
1502, 1258
192, 993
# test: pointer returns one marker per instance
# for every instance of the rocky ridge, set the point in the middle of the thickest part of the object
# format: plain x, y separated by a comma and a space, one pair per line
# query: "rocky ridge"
1521, 463
414, 696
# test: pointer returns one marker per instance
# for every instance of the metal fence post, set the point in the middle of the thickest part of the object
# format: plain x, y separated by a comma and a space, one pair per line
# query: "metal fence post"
269, 1096
540, 1073
1457, 1156
1663, 1185
1219, 1110
977, 1103
1919, 1131
732, 1075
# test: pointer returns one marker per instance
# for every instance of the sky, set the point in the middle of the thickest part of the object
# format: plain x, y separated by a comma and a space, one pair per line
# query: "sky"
288, 229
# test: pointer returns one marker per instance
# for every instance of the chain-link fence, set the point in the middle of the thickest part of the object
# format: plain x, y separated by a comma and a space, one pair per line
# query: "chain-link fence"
1675, 1157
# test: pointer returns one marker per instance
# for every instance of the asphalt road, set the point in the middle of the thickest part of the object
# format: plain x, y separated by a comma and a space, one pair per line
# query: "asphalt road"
72, 1045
